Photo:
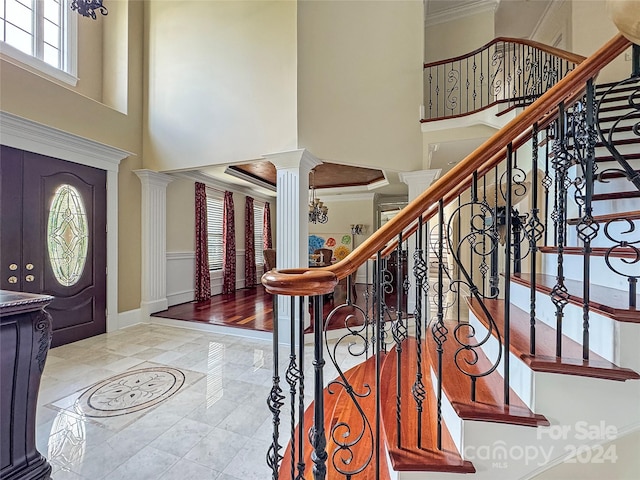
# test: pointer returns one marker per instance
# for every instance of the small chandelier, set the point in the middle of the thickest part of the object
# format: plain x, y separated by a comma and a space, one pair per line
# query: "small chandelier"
87, 8
318, 212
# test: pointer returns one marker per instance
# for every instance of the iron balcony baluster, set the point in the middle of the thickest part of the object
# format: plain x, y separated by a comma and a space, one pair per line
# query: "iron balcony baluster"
399, 332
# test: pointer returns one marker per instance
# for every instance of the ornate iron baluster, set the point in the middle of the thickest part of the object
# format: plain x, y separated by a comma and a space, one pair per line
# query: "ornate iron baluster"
534, 231
586, 139
439, 330
275, 401
301, 464
561, 162
419, 272
293, 377
547, 181
317, 437
507, 273
399, 332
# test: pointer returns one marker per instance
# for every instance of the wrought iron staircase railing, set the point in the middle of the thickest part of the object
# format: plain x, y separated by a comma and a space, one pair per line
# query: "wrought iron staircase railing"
509, 71
487, 222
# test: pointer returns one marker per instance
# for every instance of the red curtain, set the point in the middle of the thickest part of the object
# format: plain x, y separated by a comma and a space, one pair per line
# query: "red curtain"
266, 227
203, 279
229, 246
249, 246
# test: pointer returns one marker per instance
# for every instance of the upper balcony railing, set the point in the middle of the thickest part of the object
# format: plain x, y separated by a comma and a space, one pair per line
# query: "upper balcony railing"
509, 71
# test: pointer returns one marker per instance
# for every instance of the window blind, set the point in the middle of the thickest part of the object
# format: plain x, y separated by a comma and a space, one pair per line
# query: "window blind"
258, 229
215, 217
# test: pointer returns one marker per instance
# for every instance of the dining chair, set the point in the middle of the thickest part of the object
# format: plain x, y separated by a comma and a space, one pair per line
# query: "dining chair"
326, 255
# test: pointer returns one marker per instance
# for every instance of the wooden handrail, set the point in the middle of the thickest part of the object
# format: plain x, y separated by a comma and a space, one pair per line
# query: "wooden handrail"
563, 54
454, 182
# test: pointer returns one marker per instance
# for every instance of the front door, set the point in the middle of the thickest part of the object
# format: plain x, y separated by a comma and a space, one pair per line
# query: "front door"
53, 238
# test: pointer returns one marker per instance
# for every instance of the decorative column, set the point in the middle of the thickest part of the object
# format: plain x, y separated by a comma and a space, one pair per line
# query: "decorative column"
292, 229
418, 182
154, 241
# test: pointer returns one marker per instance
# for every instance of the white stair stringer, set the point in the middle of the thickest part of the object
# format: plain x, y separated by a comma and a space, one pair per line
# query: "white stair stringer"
581, 411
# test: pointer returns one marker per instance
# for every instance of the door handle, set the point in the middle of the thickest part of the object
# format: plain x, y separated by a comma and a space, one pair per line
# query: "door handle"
29, 278
13, 279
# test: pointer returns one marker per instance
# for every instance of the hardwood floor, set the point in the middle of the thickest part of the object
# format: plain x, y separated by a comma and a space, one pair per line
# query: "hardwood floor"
248, 308
252, 309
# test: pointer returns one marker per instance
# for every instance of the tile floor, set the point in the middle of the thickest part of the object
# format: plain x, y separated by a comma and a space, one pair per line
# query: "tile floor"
216, 426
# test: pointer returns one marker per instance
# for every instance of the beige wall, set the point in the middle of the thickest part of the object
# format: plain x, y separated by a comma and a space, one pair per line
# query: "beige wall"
222, 82
57, 105
582, 27
592, 27
457, 37
181, 216
360, 81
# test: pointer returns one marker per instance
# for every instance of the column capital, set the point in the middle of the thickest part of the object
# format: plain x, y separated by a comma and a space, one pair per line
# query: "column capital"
420, 178
301, 158
151, 177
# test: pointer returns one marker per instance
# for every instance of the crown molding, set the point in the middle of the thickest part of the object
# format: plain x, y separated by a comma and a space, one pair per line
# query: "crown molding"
18, 132
219, 185
460, 11
346, 197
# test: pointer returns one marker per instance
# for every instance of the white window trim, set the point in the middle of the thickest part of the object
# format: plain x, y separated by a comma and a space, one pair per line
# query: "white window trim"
42, 68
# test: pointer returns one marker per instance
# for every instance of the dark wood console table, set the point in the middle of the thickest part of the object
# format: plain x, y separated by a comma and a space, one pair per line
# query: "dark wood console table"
25, 335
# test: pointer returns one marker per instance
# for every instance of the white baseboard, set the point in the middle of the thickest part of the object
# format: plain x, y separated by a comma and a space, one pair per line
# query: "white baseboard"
129, 318
178, 298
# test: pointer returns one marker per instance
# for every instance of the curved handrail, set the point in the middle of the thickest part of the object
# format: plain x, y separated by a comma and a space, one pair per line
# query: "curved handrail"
454, 182
563, 54
509, 71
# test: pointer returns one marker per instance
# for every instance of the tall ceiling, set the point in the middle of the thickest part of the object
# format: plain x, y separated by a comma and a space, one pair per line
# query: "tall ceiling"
514, 18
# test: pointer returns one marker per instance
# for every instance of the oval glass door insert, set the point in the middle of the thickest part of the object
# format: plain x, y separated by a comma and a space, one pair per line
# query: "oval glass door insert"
67, 235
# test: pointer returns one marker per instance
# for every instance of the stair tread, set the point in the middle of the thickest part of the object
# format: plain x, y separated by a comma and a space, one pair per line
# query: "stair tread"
609, 302
616, 98
609, 158
617, 216
606, 175
545, 359
618, 252
613, 118
489, 403
341, 410
409, 457
602, 87
615, 195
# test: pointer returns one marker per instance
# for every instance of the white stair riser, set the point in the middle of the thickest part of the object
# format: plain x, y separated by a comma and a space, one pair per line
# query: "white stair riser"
600, 273
603, 331
521, 376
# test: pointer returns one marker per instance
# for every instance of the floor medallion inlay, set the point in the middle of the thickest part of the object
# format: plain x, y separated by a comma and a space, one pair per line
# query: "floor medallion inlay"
129, 392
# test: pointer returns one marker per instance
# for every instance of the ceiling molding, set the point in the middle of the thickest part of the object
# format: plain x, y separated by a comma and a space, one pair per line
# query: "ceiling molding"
459, 11
249, 178
220, 185
346, 197
35, 137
